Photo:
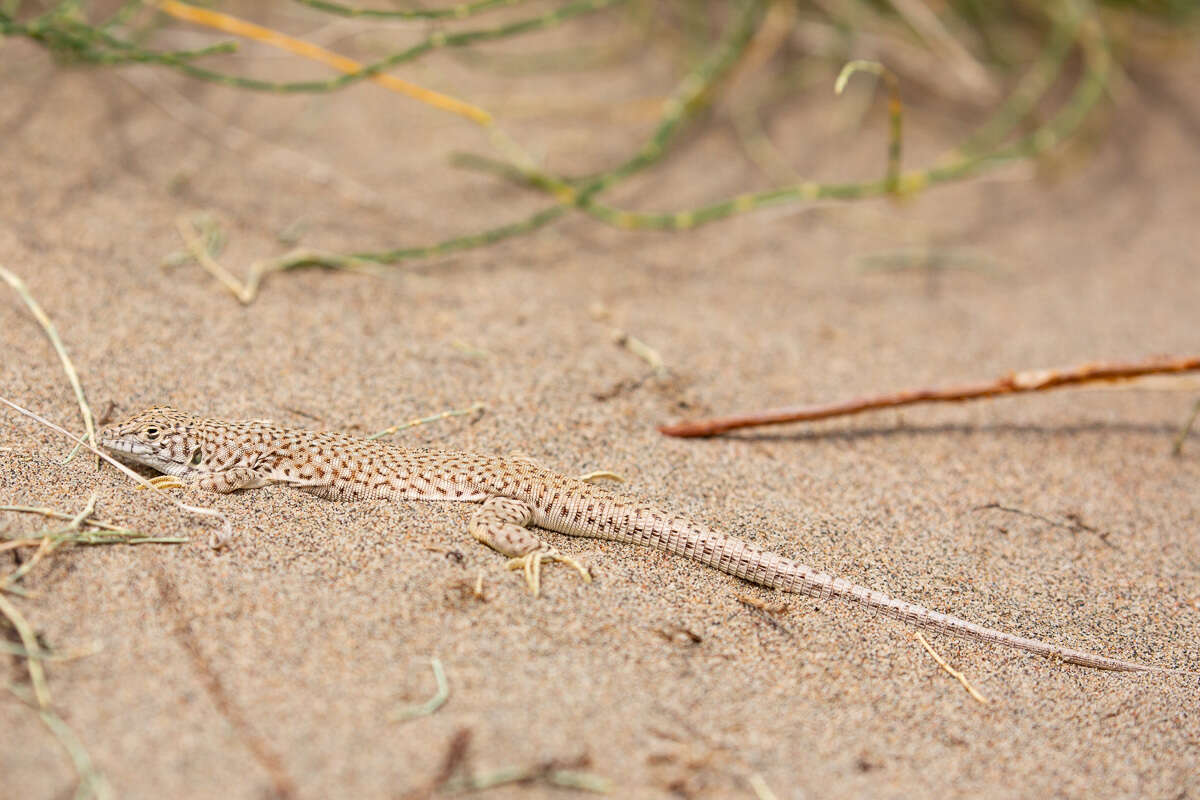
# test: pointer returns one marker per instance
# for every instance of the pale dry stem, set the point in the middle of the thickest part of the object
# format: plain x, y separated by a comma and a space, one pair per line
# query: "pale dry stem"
37, 675
951, 670
215, 541
18, 285
440, 696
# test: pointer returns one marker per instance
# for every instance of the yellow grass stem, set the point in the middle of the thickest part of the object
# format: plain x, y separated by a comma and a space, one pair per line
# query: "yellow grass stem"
259, 33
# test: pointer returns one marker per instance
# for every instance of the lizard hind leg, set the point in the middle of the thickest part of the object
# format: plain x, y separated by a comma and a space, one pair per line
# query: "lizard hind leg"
501, 524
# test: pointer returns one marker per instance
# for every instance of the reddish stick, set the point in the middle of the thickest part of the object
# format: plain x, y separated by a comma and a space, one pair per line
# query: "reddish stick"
1013, 383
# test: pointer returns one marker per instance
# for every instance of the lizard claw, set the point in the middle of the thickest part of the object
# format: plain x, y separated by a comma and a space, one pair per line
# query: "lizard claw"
531, 564
161, 482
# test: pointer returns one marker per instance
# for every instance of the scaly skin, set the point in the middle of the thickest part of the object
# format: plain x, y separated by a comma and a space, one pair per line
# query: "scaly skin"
515, 493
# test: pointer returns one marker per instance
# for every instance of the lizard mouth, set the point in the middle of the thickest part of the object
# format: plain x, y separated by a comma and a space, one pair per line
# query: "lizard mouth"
135, 453
124, 446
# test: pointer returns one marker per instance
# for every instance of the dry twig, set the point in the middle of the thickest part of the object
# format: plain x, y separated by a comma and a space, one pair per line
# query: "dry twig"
951, 670
760, 788
110, 533
1039, 380
283, 785
1177, 445
216, 540
18, 285
92, 782
1074, 523
37, 675
433, 703
245, 291
761, 605
642, 350
412, 423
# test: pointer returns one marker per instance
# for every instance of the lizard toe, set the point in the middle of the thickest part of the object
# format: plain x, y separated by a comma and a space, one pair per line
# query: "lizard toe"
531, 564
161, 483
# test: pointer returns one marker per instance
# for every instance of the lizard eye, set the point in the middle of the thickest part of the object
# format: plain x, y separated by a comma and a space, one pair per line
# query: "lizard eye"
151, 433
197, 457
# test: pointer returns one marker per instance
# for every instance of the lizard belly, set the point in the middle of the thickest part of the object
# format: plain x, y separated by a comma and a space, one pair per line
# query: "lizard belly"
392, 487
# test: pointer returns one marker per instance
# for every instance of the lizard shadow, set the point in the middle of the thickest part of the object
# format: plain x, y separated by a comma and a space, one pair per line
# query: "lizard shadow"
962, 429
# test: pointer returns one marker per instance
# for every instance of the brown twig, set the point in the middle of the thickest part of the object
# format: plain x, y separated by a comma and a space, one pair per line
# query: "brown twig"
766, 612
457, 777
1039, 380
209, 676
1074, 522
761, 605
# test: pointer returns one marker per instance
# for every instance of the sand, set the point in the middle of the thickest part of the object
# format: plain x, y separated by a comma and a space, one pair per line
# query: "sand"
275, 665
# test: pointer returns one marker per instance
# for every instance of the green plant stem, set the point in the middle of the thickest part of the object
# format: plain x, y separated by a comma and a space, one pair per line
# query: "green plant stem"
1097, 65
460, 11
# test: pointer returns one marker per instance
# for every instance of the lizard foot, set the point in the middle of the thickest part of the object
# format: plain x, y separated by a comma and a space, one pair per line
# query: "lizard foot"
531, 564
161, 482
501, 522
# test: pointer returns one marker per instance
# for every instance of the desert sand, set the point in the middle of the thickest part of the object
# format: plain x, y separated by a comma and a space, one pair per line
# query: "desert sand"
276, 665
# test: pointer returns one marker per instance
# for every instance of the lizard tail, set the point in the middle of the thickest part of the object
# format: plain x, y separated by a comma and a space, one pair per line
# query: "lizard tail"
789, 576
679, 534
802, 579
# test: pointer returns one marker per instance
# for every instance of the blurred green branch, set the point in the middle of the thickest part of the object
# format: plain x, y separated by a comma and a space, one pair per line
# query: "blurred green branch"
453, 12
744, 32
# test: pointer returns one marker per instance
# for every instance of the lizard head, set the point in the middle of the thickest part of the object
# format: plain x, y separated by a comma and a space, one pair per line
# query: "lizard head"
159, 437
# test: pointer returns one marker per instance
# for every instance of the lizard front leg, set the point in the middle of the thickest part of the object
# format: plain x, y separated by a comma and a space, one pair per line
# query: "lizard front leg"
230, 480
501, 524
223, 482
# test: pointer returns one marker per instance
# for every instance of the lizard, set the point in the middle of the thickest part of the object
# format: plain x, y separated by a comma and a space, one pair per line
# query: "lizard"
515, 494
